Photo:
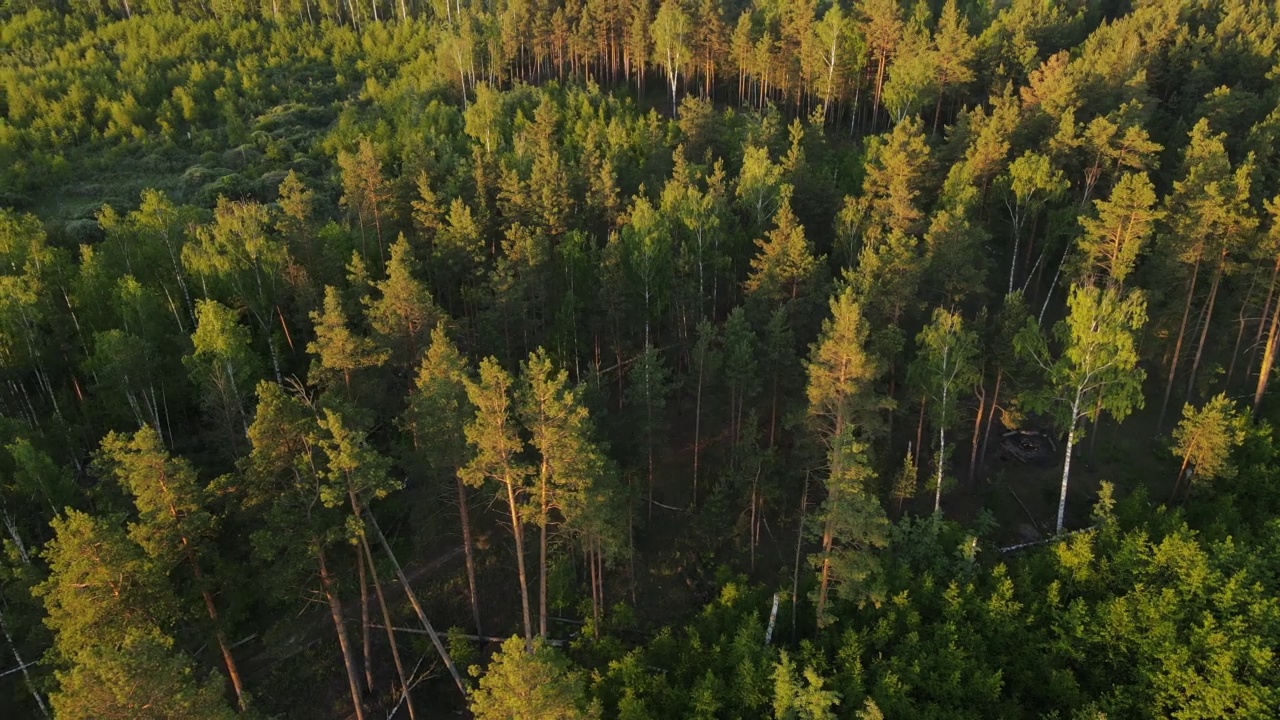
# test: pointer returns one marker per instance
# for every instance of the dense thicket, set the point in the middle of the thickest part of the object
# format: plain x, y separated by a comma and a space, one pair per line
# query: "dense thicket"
676, 339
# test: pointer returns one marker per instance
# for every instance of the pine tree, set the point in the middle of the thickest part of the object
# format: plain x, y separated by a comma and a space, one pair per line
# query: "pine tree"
648, 385
786, 268
1204, 440
337, 349
437, 413
531, 682
364, 189
174, 527
842, 410
559, 427
283, 485
404, 312
495, 440
1115, 237
107, 603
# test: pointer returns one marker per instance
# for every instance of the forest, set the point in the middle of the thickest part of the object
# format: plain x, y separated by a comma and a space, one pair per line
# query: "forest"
639, 359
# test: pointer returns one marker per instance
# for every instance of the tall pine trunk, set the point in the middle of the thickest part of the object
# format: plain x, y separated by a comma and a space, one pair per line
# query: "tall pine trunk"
517, 529
1268, 359
1204, 328
364, 624
468, 551
339, 624
1177, 347
386, 622
542, 555
417, 606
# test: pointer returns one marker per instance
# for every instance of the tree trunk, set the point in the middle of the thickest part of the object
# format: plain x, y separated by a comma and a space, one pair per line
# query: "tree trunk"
386, 622
1177, 347
942, 454
417, 607
517, 529
232, 671
542, 556
1268, 359
1182, 471
977, 429
991, 416
1204, 330
920, 429
1066, 463
44, 710
364, 624
335, 609
468, 551
795, 578
828, 539
697, 430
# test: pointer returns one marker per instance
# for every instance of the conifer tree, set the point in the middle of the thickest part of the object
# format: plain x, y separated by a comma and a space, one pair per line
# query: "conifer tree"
107, 602
786, 268
559, 427
403, 313
174, 527
365, 190
1204, 440
495, 440
531, 682
283, 483
337, 349
648, 384
1115, 237
437, 413
842, 410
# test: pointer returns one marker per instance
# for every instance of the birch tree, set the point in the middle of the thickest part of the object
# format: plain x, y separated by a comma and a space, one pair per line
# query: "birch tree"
1093, 368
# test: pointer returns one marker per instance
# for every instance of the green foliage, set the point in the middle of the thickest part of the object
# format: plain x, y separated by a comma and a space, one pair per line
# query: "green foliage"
536, 685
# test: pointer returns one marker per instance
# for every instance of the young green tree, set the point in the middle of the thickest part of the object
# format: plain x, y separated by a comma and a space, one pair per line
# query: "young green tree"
404, 311
842, 410
494, 438
224, 367
1204, 440
435, 418
1096, 365
174, 528
337, 349
237, 259
797, 700
531, 682
944, 367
